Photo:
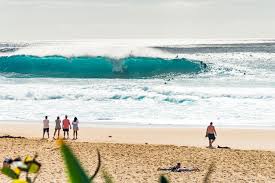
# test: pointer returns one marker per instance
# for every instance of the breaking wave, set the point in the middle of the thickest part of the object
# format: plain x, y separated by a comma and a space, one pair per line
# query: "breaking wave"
95, 67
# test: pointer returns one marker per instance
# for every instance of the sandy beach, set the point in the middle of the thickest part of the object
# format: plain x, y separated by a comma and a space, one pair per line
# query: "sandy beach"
143, 82
128, 159
237, 138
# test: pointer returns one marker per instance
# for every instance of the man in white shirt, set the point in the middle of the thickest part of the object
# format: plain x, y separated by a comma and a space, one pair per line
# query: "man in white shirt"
46, 126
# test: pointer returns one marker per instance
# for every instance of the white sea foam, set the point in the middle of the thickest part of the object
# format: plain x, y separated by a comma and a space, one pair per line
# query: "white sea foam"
137, 101
112, 49
115, 48
238, 90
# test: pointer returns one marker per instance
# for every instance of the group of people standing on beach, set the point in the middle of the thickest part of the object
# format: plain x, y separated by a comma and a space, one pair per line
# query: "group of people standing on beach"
66, 126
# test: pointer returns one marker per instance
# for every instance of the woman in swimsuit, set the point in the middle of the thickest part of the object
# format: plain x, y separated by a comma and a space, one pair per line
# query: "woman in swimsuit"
75, 127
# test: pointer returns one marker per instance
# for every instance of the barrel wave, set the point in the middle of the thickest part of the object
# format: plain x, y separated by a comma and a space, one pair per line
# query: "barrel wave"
95, 67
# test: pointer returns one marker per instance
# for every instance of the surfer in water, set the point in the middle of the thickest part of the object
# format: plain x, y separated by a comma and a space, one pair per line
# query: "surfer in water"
203, 65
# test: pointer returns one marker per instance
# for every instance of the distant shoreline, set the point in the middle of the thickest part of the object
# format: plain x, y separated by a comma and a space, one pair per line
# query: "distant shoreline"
117, 124
236, 138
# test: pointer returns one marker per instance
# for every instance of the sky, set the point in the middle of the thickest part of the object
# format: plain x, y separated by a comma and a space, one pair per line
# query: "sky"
89, 19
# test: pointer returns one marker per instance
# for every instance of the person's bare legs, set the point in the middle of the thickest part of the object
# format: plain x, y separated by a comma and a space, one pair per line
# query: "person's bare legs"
75, 135
48, 134
210, 143
67, 134
64, 135
43, 134
54, 133
58, 132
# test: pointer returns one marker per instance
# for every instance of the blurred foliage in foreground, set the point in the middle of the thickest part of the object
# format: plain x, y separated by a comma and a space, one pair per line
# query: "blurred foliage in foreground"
13, 168
75, 171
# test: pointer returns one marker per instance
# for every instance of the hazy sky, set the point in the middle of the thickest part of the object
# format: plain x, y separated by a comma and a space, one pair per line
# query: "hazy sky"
81, 19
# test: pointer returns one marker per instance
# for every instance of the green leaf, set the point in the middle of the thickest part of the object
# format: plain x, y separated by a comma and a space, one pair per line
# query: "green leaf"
75, 171
9, 172
108, 178
34, 167
163, 179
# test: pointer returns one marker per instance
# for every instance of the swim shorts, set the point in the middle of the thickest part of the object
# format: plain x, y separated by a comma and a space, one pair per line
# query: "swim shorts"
211, 136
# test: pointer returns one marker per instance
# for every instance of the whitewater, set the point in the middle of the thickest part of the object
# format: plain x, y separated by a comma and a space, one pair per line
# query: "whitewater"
140, 82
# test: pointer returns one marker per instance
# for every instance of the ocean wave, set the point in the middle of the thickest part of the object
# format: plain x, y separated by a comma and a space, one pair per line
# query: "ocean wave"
179, 100
262, 47
30, 96
95, 67
176, 98
119, 97
11, 47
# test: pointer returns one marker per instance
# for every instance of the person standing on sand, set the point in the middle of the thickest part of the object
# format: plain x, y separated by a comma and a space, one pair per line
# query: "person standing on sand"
75, 127
46, 126
57, 127
211, 134
66, 124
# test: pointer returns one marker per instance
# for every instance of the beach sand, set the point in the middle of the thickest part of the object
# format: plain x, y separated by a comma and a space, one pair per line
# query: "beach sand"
128, 159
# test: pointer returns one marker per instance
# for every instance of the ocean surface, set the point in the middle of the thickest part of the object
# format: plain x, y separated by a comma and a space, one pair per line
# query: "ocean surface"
156, 82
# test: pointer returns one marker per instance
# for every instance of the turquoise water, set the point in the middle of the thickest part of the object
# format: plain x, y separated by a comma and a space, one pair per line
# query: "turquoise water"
95, 67
231, 83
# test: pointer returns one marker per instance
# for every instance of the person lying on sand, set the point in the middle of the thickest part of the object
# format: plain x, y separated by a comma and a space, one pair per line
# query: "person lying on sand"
178, 168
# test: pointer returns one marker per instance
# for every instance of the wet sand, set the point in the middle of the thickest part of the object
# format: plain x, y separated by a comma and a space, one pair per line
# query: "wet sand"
257, 139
